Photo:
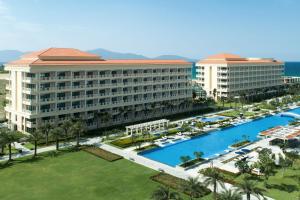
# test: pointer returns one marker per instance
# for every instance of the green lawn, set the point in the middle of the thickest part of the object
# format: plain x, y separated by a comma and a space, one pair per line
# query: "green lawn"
76, 176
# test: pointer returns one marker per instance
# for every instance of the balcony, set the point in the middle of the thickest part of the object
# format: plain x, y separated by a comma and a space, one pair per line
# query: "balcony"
78, 86
79, 77
64, 98
78, 97
47, 88
63, 87
91, 76
47, 78
47, 110
63, 108
104, 94
63, 77
30, 124
77, 106
91, 85
47, 99
91, 105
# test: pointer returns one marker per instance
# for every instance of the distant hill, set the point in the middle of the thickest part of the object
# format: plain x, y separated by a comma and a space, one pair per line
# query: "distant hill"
9, 55
174, 57
106, 54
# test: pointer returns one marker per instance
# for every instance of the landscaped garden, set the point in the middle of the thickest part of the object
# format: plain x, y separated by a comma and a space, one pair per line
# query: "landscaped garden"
278, 181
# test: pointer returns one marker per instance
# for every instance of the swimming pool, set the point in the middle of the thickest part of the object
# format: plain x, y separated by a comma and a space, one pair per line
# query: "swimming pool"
212, 119
215, 142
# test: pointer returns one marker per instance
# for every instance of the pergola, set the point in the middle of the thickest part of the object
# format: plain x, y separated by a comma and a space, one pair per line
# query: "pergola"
147, 126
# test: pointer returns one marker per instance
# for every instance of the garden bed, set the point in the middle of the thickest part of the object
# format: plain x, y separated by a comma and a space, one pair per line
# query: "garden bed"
191, 162
148, 147
239, 144
101, 153
227, 176
175, 183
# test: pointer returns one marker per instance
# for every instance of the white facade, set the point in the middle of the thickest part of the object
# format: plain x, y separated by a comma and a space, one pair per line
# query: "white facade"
49, 88
230, 75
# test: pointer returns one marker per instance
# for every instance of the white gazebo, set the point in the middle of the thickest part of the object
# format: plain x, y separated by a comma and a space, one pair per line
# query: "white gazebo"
147, 126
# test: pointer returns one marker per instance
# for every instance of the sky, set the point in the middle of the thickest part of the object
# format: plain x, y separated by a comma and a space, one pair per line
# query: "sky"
191, 28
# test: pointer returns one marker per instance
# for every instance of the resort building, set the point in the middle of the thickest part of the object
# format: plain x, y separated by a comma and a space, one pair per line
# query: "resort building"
228, 75
55, 84
291, 80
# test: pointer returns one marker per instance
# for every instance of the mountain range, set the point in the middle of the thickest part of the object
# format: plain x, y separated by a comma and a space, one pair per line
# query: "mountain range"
9, 55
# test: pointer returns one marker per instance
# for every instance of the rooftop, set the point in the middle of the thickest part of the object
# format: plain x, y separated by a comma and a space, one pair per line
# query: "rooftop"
227, 58
70, 56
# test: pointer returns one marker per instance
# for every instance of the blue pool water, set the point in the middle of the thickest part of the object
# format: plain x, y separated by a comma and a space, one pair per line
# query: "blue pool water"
212, 119
215, 142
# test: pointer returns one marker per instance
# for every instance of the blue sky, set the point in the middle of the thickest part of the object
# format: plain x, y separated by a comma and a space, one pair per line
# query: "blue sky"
192, 28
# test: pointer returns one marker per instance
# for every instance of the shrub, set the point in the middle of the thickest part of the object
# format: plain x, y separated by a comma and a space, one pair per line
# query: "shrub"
101, 153
174, 182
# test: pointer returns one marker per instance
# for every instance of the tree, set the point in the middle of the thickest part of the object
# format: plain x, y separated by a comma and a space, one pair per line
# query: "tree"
10, 137
104, 117
3, 132
34, 137
77, 129
214, 93
284, 163
66, 126
57, 132
193, 187
45, 129
228, 194
164, 193
292, 155
185, 159
198, 154
213, 178
249, 188
243, 166
265, 162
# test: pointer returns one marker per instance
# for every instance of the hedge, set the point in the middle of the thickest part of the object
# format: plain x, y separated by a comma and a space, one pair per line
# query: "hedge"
101, 153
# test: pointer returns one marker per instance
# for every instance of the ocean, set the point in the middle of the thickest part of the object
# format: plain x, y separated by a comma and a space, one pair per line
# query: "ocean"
291, 69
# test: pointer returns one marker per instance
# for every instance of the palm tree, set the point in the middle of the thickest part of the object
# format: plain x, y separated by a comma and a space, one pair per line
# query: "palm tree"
45, 129
213, 178
57, 132
249, 188
193, 187
2, 139
66, 126
228, 194
77, 129
164, 193
104, 117
185, 159
34, 137
242, 165
198, 154
214, 93
10, 137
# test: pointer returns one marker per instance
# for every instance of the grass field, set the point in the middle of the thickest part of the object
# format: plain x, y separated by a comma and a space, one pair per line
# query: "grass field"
77, 176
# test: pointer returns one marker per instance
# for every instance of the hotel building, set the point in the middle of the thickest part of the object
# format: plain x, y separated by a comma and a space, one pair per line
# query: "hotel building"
52, 85
228, 75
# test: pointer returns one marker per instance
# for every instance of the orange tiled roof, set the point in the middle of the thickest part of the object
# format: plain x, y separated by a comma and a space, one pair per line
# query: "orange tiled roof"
68, 56
226, 58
